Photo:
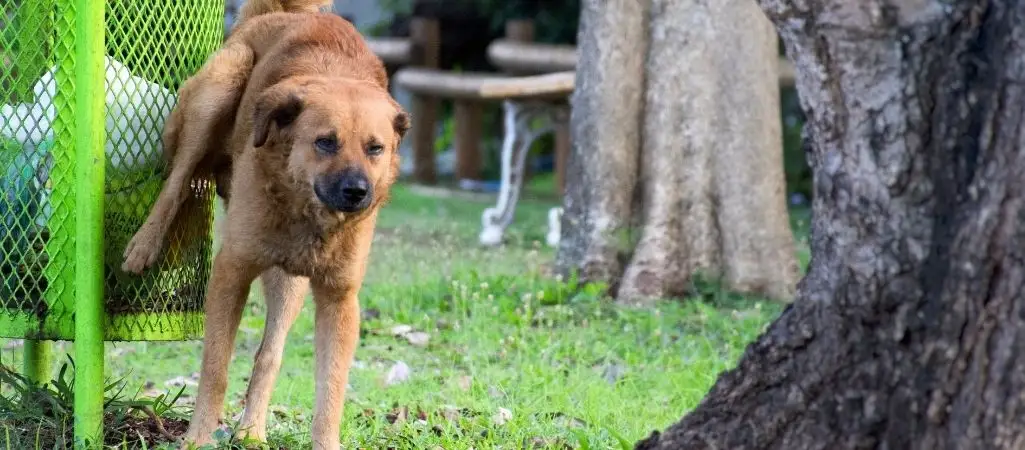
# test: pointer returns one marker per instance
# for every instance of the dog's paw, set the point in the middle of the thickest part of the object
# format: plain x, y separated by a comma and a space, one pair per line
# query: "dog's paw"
140, 253
251, 437
186, 443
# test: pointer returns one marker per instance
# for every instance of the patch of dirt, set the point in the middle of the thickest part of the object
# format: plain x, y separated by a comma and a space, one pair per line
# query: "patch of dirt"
138, 430
135, 432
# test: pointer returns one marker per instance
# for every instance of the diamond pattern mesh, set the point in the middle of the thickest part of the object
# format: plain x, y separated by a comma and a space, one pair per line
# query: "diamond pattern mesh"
152, 46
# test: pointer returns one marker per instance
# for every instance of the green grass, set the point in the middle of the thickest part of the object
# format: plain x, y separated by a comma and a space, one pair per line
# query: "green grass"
514, 357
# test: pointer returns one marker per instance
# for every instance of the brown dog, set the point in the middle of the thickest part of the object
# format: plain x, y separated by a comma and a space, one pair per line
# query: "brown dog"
293, 118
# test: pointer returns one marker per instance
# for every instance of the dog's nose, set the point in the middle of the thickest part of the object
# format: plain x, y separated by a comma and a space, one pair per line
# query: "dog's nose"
354, 189
345, 191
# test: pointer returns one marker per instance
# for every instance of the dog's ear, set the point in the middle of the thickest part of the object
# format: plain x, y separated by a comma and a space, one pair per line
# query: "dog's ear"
401, 120
280, 104
401, 123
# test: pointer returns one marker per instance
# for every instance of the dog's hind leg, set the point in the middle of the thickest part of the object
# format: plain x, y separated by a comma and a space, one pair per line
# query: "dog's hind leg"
284, 296
226, 297
204, 114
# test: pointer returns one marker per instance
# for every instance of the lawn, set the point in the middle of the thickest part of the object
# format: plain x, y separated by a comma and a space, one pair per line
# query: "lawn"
467, 347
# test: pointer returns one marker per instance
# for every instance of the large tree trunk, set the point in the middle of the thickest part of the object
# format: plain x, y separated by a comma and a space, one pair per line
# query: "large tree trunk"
606, 134
909, 329
709, 142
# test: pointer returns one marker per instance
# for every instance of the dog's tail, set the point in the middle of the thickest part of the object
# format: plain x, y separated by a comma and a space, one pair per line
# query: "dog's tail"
253, 8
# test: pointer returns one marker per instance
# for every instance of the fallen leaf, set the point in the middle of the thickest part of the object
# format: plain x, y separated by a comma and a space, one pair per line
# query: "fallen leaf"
502, 416
449, 412
399, 415
280, 412
564, 421
465, 382
398, 373
552, 442
418, 338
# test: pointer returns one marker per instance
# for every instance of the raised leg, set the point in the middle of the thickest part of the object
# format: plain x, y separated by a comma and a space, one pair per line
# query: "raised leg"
336, 334
519, 136
284, 296
206, 102
225, 299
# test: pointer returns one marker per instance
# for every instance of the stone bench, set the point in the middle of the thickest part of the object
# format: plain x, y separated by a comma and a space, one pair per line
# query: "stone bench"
524, 99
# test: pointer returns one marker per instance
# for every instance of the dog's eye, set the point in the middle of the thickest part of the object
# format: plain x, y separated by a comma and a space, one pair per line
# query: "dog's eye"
375, 149
326, 145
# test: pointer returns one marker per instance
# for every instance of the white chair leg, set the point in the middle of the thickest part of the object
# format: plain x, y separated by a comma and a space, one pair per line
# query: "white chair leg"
554, 227
492, 231
518, 138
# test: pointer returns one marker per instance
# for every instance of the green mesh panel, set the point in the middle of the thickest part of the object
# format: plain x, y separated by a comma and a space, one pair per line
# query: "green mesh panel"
152, 46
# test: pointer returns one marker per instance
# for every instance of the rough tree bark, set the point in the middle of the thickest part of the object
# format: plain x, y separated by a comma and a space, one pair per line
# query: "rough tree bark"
705, 158
606, 131
908, 332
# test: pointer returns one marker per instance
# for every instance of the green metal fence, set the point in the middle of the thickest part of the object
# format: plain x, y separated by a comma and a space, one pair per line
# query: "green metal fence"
85, 86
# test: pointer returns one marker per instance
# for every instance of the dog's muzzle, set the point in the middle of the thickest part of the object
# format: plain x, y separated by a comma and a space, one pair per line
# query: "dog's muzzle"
347, 191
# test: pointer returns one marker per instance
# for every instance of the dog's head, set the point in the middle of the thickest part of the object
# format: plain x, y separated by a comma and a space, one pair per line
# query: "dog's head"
341, 137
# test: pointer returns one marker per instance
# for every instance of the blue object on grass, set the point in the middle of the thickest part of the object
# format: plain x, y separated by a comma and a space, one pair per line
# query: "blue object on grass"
24, 176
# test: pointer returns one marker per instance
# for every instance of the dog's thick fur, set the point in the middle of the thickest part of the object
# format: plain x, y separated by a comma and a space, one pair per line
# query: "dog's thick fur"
255, 118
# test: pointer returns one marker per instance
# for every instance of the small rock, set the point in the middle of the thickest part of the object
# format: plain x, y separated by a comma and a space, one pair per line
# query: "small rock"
399, 330
494, 392
613, 372
181, 381
502, 416
418, 338
398, 373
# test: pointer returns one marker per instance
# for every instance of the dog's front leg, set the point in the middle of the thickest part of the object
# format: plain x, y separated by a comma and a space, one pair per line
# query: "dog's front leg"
225, 299
336, 333
284, 296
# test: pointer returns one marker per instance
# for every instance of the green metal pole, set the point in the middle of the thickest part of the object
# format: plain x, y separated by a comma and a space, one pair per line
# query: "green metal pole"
38, 357
35, 32
90, 162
